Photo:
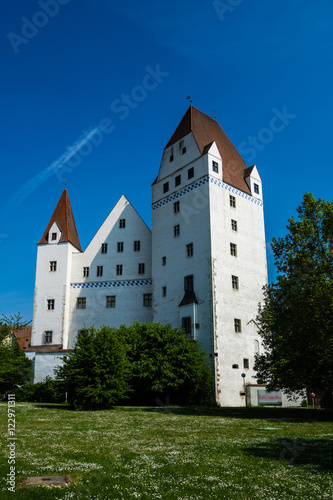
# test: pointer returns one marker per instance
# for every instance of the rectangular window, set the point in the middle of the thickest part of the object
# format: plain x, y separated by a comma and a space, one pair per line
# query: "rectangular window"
178, 180
181, 145
120, 246
99, 271
176, 207
256, 188
54, 236
104, 248
238, 325
81, 303
232, 201
163, 261
48, 337
110, 301
187, 324
233, 249
165, 187
171, 158
188, 283
164, 291
176, 230
50, 304
233, 225
147, 299
53, 265
122, 223
189, 250
86, 272
215, 166
119, 269
190, 173
81, 333
234, 280
137, 246
183, 150
141, 269
171, 154
245, 363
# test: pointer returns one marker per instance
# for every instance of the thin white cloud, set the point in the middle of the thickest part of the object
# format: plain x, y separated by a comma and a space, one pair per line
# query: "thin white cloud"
30, 186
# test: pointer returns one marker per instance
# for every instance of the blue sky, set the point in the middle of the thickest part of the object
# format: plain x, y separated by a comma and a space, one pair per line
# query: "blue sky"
68, 65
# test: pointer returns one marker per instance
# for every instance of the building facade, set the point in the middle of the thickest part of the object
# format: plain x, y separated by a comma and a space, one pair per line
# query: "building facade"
202, 267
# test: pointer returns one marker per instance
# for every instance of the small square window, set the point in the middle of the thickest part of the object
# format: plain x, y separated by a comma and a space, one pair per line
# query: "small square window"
50, 304
165, 187
233, 249
178, 180
190, 173
237, 325
233, 225
189, 250
245, 363
86, 272
187, 324
215, 166
120, 246
99, 271
81, 303
110, 301
137, 246
234, 281
122, 223
256, 188
232, 201
53, 265
119, 269
54, 236
188, 283
163, 261
141, 269
176, 230
164, 291
176, 207
104, 248
48, 337
147, 299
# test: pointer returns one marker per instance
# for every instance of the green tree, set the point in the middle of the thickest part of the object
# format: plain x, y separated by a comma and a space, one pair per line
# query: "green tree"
15, 368
165, 362
296, 319
96, 373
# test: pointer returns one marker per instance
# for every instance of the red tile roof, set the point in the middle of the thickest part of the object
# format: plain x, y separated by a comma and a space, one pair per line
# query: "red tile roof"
23, 337
64, 217
206, 130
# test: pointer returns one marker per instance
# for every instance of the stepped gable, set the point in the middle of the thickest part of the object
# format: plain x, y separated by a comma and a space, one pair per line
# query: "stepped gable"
206, 130
64, 218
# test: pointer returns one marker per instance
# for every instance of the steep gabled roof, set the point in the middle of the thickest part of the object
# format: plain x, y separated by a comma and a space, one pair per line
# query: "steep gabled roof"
63, 216
206, 130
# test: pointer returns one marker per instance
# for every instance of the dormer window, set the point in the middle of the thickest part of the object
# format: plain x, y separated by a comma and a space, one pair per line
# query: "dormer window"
256, 188
54, 236
215, 166
171, 155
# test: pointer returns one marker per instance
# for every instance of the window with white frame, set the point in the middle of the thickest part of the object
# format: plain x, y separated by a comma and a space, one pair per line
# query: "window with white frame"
48, 337
233, 225
234, 281
50, 304
232, 200
86, 272
53, 265
215, 167
81, 303
104, 248
237, 325
119, 269
256, 188
99, 271
233, 249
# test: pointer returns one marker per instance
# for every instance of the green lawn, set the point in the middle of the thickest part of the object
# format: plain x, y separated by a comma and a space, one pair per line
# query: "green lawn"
172, 452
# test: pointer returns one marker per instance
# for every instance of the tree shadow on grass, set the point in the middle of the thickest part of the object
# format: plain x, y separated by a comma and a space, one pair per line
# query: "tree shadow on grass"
264, 413
316, 453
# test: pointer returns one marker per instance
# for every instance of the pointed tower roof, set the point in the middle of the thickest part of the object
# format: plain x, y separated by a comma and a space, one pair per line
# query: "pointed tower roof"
63, 216
205, 131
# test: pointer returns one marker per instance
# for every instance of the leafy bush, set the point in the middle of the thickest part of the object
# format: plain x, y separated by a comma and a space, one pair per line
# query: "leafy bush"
48, 391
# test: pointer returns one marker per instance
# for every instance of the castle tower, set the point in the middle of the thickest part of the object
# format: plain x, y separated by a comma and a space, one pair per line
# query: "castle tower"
53, 273
208, 249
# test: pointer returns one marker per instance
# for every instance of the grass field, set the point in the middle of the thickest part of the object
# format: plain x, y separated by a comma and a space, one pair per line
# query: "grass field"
171, 452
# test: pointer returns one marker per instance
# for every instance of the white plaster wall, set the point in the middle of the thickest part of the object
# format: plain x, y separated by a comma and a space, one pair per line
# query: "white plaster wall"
128, 288
45, 363
51, 285
251, 269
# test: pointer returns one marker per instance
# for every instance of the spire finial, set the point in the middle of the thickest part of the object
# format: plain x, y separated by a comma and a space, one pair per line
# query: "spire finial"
65, 180
189, 98
214, 114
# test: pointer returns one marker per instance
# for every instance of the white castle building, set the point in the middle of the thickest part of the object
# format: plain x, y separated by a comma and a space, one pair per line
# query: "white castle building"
202, 267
